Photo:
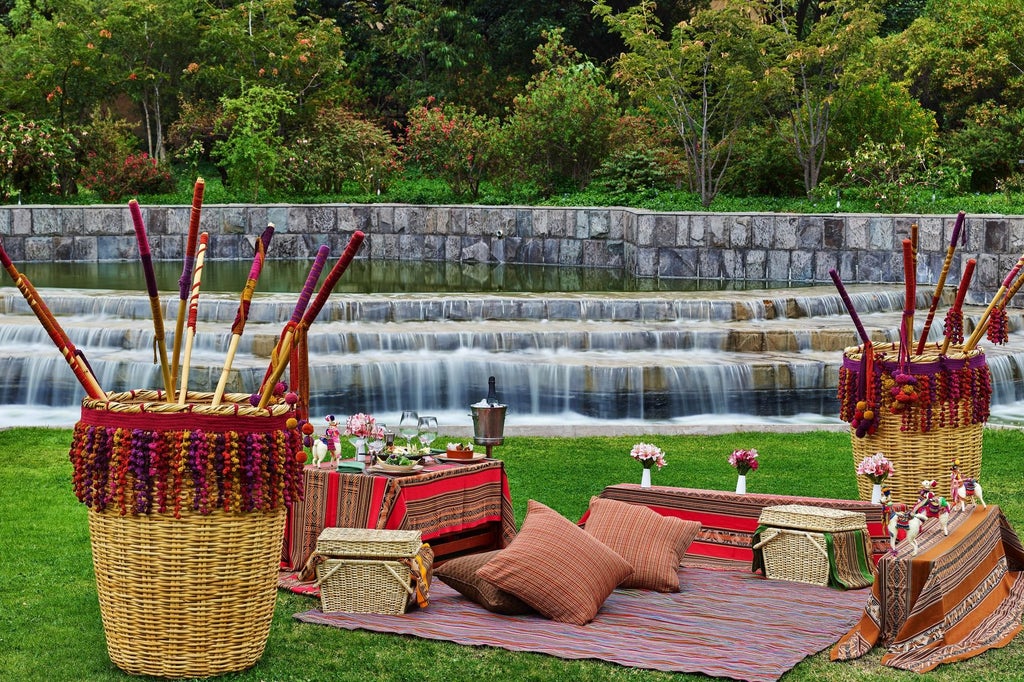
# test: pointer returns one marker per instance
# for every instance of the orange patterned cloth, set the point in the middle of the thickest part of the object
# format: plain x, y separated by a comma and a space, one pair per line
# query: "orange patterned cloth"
958, 597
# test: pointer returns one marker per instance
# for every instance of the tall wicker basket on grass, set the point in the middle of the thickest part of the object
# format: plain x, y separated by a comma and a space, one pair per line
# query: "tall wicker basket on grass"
187, 507
944, 420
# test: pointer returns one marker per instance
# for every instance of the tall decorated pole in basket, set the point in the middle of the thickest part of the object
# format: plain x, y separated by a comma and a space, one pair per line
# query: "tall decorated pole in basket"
922, 407
187, 494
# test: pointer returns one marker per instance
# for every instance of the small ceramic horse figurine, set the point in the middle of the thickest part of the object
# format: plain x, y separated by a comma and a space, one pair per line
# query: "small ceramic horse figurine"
910, 523
320, 450
961, 489
933, 506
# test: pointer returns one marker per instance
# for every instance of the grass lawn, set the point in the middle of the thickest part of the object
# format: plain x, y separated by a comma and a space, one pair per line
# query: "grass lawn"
50, 626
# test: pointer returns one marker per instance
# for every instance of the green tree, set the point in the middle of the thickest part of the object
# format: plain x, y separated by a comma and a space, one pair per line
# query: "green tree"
560, 128
254, 148
808, 66
454, 142
701, 81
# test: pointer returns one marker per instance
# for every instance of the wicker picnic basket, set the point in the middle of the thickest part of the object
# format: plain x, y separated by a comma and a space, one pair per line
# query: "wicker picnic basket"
805, 517
187, 507
366, 570
921, 438
795, 555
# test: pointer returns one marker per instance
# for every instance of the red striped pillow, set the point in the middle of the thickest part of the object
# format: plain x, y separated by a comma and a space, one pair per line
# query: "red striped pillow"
556, 567
653, 544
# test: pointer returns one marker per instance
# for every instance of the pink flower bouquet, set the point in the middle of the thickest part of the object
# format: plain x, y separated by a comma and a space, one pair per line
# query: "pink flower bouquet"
744, 461
876, 467
648, 455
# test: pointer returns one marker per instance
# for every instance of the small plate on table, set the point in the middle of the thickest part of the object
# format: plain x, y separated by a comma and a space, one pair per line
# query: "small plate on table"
397, 469
477, 456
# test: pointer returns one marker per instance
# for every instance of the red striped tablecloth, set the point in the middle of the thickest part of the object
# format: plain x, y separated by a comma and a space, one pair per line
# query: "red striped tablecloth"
440, 501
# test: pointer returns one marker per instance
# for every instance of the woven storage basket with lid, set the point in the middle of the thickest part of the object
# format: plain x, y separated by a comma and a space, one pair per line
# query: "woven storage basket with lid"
921, 438
366, 570
804, 517
794, 545
187, 506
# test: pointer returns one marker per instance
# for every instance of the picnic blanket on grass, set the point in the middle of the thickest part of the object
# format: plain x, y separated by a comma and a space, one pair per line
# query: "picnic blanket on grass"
723, 623
961, 595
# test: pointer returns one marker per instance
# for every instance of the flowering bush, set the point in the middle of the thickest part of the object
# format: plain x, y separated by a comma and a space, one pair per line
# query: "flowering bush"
113, 179
363, 426
454, 142
744, 460
648, 455
876, 467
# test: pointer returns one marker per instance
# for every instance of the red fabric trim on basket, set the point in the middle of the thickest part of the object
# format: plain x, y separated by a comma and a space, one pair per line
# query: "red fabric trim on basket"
183, 421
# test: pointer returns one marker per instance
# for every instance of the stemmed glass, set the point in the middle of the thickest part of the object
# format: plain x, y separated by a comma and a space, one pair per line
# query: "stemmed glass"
427, 428
408, 426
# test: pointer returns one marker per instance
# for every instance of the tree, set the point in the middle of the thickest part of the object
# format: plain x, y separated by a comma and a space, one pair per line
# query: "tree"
701, 80
808, 68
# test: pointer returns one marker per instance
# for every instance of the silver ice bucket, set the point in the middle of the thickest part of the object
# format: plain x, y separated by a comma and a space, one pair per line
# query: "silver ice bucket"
489, 424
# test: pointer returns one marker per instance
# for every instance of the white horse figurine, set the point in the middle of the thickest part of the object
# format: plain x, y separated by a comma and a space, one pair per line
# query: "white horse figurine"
911, 523
933, 506
320, 451
963, 489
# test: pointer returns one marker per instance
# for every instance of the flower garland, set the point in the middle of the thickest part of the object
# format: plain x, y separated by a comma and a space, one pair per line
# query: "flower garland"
744, 461
142, 471
648, 455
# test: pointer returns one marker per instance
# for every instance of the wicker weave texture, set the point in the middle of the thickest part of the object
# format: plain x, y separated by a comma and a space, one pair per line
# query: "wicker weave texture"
364, 586
917, 456
188, 597
368, 542
805, 517
795, 555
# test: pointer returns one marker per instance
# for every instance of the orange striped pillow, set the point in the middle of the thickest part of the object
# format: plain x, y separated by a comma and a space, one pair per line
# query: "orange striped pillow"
556, 567
653, 544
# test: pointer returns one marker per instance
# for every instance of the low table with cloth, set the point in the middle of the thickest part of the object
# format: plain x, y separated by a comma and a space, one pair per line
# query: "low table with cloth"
729, 521
958, 597
455, 506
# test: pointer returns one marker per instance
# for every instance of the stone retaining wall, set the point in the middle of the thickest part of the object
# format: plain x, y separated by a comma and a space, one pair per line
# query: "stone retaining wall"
729, 246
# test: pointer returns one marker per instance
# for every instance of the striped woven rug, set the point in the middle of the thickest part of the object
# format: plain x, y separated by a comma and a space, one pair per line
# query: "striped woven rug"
723, 623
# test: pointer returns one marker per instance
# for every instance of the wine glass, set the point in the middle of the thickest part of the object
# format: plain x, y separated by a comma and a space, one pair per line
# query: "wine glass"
427, 428
409, 426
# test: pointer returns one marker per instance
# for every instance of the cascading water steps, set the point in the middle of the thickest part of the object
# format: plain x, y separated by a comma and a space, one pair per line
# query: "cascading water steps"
647, 356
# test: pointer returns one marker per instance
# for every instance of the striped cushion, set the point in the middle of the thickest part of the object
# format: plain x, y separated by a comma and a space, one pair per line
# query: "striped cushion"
460, 574
556, 567
653, 544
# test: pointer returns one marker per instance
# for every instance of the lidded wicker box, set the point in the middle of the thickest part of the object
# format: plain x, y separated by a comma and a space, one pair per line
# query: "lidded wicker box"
366, 570
794, 545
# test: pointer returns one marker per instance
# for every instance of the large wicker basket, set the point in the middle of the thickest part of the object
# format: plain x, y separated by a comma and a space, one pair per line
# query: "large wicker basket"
922, 439
187, 508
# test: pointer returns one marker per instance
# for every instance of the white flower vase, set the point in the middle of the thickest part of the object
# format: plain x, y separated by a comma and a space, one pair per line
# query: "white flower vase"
741, 484
645, 480
876, 493
360, 445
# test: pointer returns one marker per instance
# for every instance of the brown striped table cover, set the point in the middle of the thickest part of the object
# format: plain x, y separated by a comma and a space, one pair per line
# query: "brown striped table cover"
728, 521
960, 596
442, 500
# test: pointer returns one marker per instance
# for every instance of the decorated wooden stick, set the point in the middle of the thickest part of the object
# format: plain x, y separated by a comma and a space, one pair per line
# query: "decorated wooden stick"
849, 305
193, 314
75, 358
282, 354
243, 310
937, 294
185, 281
998, 331
154, 296
979, 329
300, 381
953, 327
910, 286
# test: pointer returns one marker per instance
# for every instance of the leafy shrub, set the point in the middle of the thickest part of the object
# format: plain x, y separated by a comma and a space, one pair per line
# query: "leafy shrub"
763, 164
341, 146
454, 142
114, 179
35, 157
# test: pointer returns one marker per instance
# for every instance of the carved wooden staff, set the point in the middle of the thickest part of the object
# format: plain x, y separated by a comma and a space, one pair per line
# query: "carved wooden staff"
185, 281
154, 296
979, 329
910, 301
75, 358
193, 314
262, 243
937, 294
300, 364
953, 326
282, 353
849, 305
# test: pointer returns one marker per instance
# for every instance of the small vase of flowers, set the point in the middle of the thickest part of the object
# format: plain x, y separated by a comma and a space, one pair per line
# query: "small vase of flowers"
359, 427
648, 455
877, 468
744, 461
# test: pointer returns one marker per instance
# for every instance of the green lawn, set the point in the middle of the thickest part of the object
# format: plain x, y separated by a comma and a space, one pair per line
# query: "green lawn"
50, 625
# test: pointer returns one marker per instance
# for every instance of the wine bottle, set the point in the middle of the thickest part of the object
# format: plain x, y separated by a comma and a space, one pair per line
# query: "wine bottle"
492, 395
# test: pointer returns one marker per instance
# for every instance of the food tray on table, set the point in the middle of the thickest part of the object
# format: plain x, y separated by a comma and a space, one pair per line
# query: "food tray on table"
805, 517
